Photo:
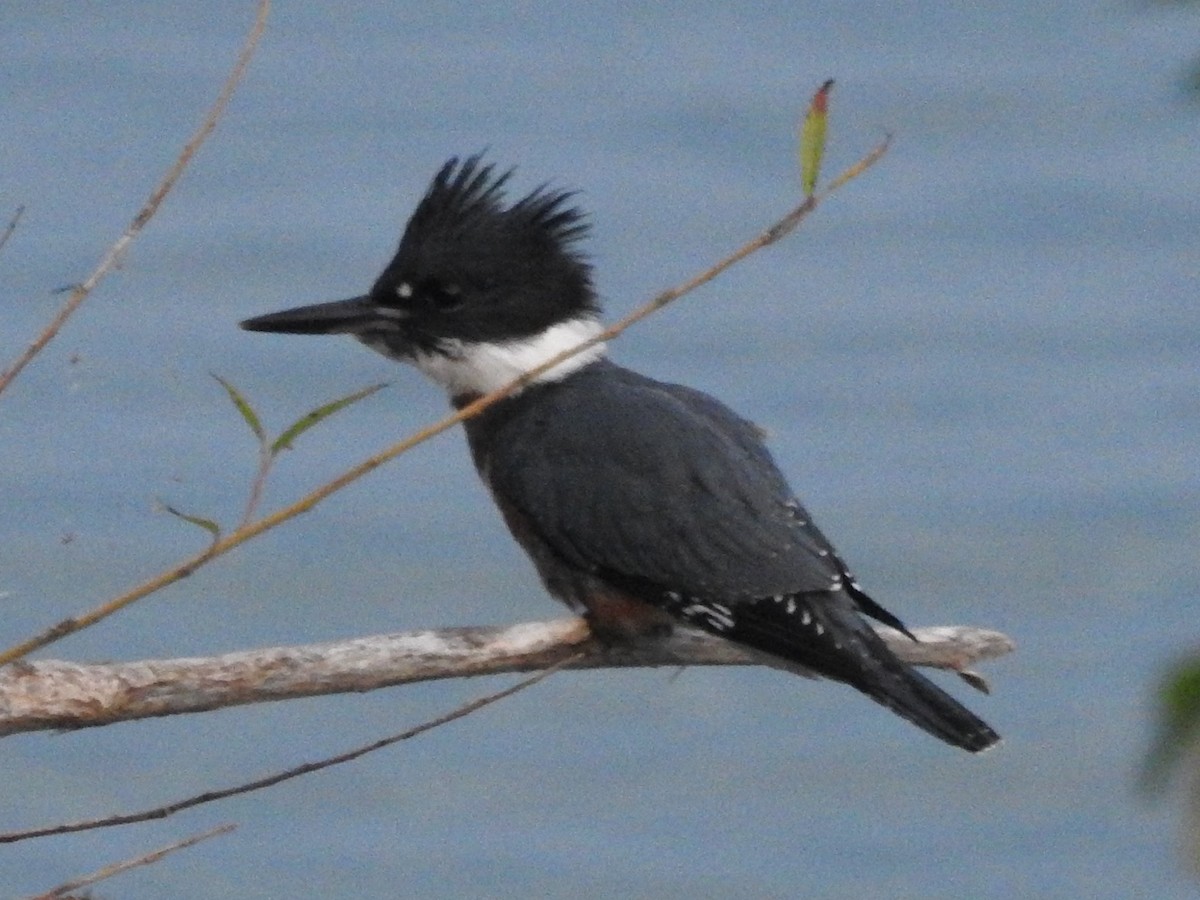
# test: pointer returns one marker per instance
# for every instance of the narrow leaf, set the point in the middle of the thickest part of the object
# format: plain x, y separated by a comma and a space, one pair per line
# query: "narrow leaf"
812, 138
207, 524
308, 420
243, 407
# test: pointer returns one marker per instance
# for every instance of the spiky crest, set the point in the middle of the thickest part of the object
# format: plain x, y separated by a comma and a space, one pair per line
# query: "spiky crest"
465, 201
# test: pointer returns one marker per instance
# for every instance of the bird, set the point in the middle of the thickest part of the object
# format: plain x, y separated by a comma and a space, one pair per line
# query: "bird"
643, 505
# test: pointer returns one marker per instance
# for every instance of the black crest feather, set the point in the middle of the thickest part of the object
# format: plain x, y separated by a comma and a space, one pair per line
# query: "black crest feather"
466, 200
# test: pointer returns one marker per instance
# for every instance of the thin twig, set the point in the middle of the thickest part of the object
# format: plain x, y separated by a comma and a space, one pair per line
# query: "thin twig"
161, 812
12, 226
117, 251
265, 459
306, 503
149, 858
861, 166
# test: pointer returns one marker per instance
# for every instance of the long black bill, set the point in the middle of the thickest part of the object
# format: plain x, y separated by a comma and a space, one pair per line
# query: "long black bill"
340, 317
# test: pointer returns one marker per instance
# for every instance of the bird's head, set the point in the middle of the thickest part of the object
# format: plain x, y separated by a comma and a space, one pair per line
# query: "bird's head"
478, 292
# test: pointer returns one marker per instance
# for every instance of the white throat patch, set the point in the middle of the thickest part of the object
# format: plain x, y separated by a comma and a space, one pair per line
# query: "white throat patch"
468, 368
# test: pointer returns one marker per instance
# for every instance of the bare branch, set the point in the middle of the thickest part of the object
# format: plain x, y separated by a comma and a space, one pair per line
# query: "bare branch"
77, 696
54, 695
144, 860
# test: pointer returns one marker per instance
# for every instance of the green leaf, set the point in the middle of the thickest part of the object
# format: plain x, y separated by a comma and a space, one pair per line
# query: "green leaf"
207, 524
812, 138
308, 420
1178, 722
243, 407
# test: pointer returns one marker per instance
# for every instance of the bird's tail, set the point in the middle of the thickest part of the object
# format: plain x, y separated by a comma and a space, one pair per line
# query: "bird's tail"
821, 633
913, 696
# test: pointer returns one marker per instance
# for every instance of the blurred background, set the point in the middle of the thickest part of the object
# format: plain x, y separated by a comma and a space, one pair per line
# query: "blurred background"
978, 364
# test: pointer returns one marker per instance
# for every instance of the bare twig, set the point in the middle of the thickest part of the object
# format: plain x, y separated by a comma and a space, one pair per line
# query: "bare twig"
117, 868
12, 226
47, 694
252, 529
161, 812
258, 484
117, 251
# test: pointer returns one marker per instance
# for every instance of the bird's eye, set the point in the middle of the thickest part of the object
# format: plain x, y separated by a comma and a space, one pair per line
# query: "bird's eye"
444, 297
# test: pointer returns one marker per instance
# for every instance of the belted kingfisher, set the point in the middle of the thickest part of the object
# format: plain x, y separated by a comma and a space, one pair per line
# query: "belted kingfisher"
641, 503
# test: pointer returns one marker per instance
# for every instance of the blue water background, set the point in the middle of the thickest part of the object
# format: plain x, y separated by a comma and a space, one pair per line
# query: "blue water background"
978, 363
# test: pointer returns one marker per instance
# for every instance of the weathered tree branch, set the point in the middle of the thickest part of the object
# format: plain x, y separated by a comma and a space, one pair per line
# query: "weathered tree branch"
50, 694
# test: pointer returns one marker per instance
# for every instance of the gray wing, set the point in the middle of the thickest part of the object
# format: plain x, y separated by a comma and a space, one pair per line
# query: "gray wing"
660, 484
